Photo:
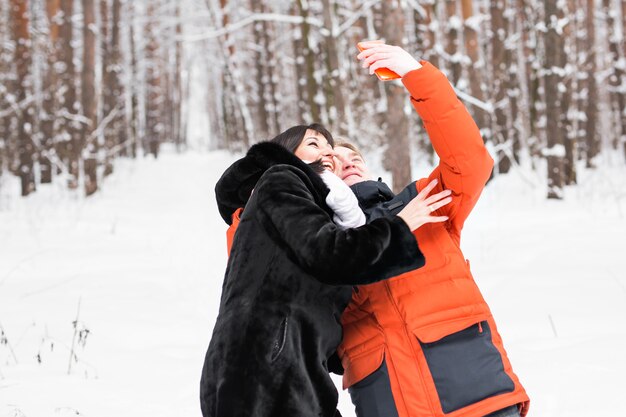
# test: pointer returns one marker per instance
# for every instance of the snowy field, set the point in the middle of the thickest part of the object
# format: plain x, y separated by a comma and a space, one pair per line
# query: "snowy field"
139, 267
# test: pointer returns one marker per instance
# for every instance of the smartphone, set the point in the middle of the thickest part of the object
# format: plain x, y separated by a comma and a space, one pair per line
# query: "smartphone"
383, 74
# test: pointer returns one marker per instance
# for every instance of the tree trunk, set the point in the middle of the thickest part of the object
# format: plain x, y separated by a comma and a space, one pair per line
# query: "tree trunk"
476, 68
592, 147
48, 131
88, 96
260, 59
179, 137
5, 87
426, 26
118, 123
616, 78
568, 61
133, 122
309, 64
23, 61
555, 151
238, 122
500, 76
300, 74
153, 80
452, 40
70, 146
107, 105
335, 101
512, 84
398, 153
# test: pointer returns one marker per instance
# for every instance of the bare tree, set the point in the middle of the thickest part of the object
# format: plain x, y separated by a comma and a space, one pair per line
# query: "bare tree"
116, 86
616, 77
26, 151
179, 137
398, 154
134, 120
5, 65
590, 93
475, 61
452, 29
261, 76
70, 145
89, 96
50, 82
309, 63
153, 85
426, 25
555, 151
335, 101
499, 33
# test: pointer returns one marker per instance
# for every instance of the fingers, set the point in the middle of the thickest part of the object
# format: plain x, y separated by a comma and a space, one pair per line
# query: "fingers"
369, 44
439, 204
375, 58
370, 55
372, 48
435, 197
426, 190
435, 219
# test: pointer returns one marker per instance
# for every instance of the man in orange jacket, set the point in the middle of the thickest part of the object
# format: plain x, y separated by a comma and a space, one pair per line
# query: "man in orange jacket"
425, 344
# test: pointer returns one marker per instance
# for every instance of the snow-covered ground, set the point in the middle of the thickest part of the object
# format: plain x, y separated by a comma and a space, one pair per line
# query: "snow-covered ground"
140, 266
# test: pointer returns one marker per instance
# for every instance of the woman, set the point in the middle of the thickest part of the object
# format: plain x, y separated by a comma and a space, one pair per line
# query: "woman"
288, 279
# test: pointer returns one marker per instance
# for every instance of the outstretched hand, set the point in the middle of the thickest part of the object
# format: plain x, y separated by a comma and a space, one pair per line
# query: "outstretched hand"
380, 55
419, 210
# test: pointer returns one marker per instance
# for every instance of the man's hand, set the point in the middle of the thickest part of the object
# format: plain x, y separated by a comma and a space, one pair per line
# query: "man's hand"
380, 55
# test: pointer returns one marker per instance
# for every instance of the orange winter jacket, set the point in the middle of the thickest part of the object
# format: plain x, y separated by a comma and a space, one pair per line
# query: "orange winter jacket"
432, 325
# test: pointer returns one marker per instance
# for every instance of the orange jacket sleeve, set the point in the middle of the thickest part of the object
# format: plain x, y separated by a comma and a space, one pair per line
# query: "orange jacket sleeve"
230, 233
465, 165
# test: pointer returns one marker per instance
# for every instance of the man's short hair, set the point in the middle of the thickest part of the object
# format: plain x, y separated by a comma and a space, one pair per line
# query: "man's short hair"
341, 142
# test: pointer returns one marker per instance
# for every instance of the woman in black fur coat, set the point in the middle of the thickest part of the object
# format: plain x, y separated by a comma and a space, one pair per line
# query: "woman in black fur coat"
289, 278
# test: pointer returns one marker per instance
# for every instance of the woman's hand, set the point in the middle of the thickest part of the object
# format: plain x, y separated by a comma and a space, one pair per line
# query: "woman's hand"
419, 210
380, 55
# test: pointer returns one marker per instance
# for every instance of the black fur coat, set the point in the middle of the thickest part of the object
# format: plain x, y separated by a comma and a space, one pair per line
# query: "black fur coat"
286, 284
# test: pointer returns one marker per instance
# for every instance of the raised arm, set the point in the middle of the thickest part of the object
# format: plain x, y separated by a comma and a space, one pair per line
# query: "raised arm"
465, 165
288, 211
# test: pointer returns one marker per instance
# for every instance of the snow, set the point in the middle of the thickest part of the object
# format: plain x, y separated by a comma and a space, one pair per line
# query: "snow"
145, 258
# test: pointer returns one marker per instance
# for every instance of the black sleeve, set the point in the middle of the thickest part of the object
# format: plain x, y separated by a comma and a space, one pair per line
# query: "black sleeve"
381, 249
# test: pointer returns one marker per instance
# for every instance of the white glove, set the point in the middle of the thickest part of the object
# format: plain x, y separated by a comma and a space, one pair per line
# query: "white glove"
343, 202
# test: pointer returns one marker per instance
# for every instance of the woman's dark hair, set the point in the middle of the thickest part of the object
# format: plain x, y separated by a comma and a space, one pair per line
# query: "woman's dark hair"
292, 137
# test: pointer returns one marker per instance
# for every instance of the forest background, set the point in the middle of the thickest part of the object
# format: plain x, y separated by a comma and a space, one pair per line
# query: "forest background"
83, 83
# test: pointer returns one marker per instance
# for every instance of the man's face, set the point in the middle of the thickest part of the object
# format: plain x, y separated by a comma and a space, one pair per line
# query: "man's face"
350, 166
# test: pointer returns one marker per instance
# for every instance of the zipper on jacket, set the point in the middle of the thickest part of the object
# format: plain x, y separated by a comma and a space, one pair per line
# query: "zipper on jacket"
480, 327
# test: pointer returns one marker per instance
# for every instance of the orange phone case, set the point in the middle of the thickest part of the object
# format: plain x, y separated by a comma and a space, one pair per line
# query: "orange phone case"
383, 74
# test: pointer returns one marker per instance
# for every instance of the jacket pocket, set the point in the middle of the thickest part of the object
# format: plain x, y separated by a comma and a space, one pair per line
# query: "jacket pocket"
279, 340
465, 366
358, 367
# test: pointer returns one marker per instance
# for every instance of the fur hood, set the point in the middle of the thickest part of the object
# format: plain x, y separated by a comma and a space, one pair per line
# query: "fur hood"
234, 188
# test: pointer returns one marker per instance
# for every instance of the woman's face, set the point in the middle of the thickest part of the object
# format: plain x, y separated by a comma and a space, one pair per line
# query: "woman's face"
314, 147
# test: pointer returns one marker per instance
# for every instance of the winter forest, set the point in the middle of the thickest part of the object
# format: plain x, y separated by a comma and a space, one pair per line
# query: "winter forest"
85, 83
118, 117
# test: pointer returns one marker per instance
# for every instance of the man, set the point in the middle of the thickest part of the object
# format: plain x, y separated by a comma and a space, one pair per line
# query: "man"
425, 344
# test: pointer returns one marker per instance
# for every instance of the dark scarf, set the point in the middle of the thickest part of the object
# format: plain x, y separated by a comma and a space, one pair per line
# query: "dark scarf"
377, 200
